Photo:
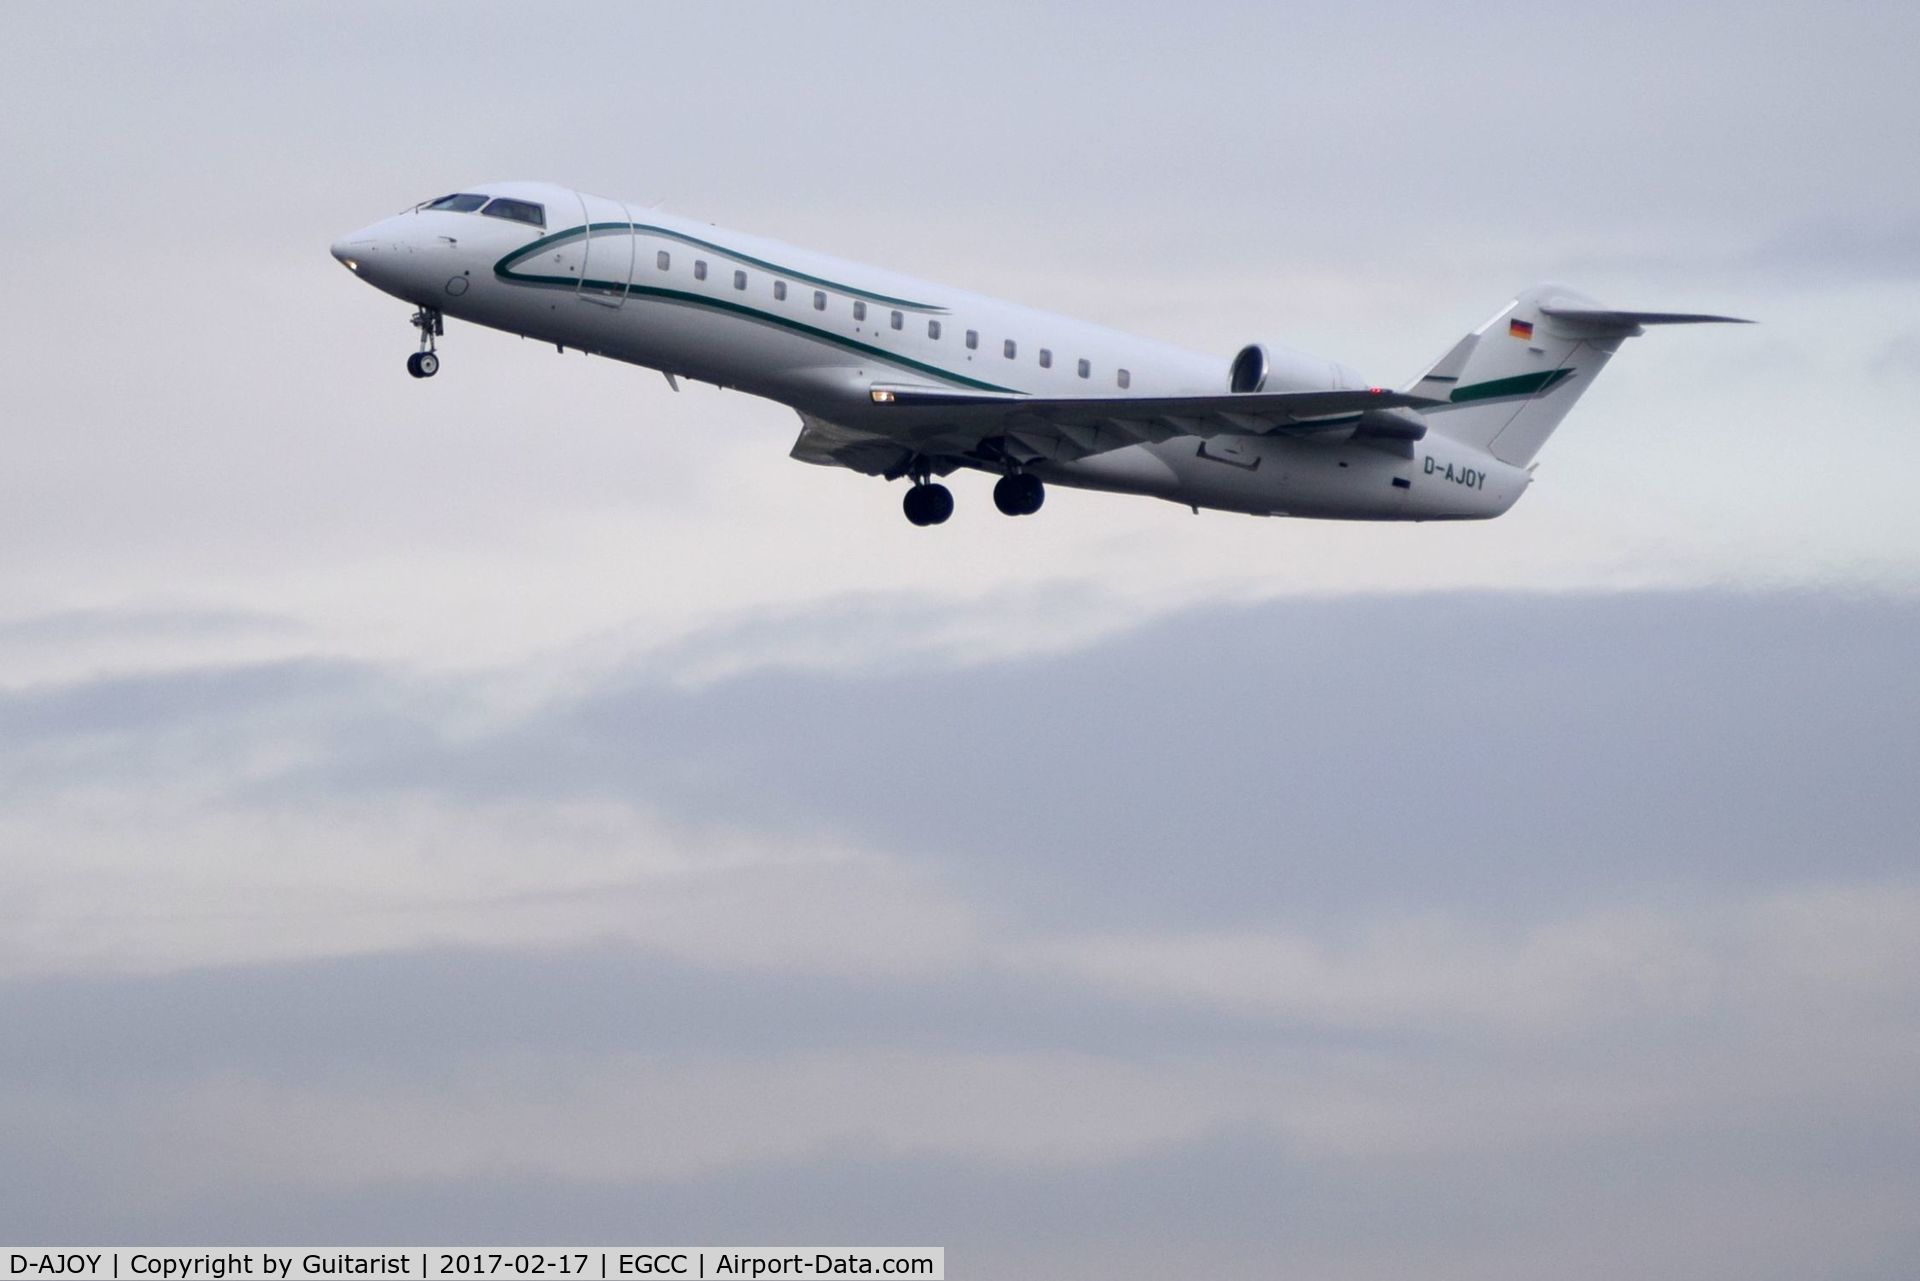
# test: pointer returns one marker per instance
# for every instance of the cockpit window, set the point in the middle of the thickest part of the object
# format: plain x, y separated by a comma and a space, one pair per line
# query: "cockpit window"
518, 210
463, 202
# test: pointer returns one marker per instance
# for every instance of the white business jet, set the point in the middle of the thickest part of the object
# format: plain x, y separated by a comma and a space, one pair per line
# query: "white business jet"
900, 378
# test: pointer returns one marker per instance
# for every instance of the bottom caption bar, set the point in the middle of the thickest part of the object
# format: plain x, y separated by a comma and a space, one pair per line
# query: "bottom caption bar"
437, 1263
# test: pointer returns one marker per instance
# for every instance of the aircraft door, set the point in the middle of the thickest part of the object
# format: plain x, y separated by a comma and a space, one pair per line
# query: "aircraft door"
606, 252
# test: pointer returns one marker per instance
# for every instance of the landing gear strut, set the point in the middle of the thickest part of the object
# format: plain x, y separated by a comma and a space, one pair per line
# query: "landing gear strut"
424, 363
928, 502
1019, 494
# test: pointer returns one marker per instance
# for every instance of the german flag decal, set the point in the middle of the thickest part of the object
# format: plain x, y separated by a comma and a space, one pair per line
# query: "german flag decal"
1520, 329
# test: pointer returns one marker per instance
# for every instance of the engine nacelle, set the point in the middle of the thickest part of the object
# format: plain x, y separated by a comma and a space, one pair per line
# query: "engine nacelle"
1269, 366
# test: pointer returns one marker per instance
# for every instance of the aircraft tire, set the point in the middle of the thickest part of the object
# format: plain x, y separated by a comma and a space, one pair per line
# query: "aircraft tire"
928, 504
1019, 494
423, 364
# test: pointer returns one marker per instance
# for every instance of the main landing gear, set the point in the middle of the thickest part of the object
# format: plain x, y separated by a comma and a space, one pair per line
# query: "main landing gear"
1019, 494
424, 363
928, 503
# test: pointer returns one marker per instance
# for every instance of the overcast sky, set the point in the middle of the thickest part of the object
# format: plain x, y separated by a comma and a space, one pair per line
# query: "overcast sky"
527, 807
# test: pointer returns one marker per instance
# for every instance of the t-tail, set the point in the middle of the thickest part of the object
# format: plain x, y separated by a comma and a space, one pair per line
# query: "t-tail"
1507, 385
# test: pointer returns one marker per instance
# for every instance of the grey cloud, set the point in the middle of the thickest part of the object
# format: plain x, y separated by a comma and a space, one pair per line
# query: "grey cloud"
1898, 357
1291, 760
79, 625
1668, 747
196, 725
1460, 749
394, 1016
1863, 247
1233, 1205
1788, 260
209, 700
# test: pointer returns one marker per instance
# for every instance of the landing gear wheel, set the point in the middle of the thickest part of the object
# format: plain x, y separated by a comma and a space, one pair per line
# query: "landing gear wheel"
928, 504
423, 364
1019, 494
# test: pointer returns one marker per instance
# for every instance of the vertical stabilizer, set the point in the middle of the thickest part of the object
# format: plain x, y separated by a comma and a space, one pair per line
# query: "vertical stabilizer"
1509, 383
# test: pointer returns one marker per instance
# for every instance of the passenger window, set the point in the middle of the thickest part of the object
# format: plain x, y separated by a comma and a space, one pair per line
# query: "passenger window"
779, 291
1046, 359
664, 259
517, 211
933, 329
463, 202
739, 280
1009, 349
859, 311
897, 320
1085, 368
819, 301
699, 268
1124, 378
973, 339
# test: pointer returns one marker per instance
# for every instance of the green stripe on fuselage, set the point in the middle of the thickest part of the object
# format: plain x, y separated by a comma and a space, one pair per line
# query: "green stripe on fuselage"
766, 318
504, 270
506, 264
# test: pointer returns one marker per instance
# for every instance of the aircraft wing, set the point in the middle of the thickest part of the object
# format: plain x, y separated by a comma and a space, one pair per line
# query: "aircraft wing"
948, 428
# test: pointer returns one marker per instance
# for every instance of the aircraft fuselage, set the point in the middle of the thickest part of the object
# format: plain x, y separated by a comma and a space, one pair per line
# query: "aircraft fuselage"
819, 334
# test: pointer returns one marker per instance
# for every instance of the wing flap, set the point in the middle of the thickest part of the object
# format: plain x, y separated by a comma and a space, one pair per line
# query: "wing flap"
829, 444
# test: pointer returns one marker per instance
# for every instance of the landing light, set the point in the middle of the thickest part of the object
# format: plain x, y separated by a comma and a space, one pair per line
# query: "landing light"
882, 397
353, 264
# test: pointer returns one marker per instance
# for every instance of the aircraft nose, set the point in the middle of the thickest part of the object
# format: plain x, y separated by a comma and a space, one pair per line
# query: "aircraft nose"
354, 249
384, 239
387, 256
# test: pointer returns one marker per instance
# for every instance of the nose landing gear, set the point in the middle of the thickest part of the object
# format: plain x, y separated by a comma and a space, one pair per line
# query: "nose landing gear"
425, 363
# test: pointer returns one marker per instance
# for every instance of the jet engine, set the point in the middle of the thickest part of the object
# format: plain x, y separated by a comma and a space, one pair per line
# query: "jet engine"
1271, 367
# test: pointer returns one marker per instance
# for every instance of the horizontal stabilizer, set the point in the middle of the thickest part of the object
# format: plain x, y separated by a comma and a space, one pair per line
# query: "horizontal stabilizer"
1608, 318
